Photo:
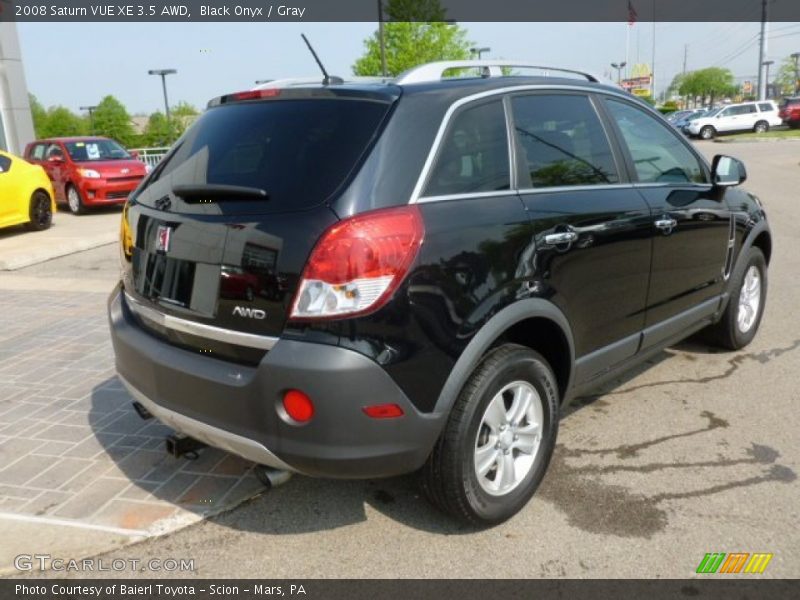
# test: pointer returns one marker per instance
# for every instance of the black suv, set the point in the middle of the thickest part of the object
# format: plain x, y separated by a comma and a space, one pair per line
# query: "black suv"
359, 280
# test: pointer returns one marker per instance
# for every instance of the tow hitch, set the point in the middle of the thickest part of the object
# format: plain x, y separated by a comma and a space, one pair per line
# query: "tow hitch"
183, 445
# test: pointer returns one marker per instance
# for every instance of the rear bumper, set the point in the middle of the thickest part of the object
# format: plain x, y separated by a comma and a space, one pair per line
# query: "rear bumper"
237, 408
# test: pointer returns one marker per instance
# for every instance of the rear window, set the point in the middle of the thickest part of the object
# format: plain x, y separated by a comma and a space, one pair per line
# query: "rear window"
298, 151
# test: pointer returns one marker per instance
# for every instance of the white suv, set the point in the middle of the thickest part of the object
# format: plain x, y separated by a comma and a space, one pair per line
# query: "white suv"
747, 116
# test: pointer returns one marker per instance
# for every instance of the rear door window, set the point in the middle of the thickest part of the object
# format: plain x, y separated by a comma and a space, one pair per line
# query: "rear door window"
562, 141
299, 151
473, 156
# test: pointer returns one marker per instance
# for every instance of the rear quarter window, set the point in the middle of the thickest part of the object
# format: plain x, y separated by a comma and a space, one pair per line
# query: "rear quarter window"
766, 107
473, 157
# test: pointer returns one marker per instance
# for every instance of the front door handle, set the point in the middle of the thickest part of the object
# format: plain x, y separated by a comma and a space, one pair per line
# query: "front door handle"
563, 237
666, 224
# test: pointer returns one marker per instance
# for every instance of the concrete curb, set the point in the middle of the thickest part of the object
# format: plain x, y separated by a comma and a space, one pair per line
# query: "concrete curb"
40, 255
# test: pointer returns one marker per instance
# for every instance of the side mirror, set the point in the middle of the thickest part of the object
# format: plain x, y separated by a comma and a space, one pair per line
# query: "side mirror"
727, 171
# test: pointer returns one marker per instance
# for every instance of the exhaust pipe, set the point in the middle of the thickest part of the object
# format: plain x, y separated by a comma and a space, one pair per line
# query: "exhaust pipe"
272, 477
181, 445
142, 411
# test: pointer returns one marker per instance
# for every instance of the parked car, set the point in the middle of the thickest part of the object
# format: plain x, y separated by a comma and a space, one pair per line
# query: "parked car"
747, 116
450, 280
790, 112
87, 171
26, 194
678, 114
683, 122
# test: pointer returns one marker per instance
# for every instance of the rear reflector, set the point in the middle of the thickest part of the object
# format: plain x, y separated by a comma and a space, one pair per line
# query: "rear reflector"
298, 406
383, 411
359, 263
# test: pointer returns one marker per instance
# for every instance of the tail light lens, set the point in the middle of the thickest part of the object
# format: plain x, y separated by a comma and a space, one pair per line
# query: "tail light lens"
358, 264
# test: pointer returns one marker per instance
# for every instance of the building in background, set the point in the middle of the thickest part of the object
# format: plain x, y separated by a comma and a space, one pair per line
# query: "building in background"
16, 123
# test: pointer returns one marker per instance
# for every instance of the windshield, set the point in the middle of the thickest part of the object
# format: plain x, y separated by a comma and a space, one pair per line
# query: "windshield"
696, 116
297, 151
712, 112
91, 150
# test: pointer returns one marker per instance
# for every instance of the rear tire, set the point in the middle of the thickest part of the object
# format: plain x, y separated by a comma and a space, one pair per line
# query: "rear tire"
40, 211
708, 132
761, 127
497, 443
742, 317
74, 200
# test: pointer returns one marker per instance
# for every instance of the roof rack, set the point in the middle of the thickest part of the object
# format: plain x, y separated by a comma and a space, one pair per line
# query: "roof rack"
434, 71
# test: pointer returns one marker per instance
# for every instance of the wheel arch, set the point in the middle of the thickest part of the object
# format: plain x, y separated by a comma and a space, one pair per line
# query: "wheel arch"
535, 323
43, 190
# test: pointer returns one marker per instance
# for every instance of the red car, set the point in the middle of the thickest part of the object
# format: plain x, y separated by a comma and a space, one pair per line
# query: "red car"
790, 112
87, 171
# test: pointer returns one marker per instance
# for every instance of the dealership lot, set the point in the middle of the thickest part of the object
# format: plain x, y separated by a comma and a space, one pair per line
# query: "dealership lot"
696, 452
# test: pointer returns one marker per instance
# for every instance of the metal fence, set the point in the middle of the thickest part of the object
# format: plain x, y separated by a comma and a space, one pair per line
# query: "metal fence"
150, 156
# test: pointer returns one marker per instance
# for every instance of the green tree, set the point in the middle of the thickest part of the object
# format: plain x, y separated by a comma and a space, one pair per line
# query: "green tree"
182, 115
61, 122
415, 34
39, 115
708, 84
787, 78
112, 120
158, 131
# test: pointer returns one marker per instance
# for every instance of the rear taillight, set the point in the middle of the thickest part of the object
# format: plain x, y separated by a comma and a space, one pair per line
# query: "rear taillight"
358, 263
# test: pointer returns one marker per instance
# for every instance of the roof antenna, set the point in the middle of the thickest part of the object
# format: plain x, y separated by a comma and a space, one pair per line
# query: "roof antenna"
328, 79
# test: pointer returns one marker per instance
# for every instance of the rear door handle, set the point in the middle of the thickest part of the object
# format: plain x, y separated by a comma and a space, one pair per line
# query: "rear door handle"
666, 224
563, 237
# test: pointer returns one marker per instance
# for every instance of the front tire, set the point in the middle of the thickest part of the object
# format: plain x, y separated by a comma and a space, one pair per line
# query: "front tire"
761, 127
708, 132
497, 443
742, 317
74, 200
40, 211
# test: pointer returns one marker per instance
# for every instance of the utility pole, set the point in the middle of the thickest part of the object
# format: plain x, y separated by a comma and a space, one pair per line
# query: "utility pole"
762, 52
767, 64
382, 38
653, 68
685, 56
796, 57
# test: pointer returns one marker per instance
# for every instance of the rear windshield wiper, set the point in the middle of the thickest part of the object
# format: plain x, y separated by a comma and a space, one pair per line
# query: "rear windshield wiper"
214, 191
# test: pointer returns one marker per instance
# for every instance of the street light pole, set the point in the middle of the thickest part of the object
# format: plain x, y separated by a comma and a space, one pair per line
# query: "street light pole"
91, 110
479, 51
619, 67
767, 63
163, 73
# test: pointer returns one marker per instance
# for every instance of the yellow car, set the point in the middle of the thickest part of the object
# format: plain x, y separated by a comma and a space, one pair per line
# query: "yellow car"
26, 194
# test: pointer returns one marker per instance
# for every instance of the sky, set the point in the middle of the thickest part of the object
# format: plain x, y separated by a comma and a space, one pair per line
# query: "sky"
76, 64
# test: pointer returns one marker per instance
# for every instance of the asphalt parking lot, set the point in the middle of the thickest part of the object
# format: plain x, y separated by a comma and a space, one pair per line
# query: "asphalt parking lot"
695, 452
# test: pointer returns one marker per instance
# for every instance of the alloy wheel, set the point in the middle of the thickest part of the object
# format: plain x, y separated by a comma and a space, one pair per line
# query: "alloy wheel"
749, 299
508, 438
